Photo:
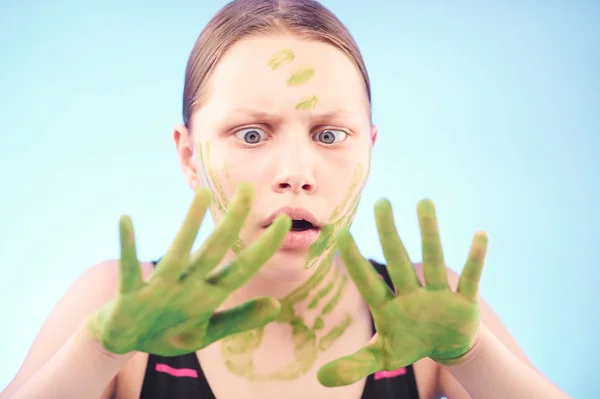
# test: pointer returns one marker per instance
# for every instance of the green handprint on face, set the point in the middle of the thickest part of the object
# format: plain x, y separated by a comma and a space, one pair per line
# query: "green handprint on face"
415, 321
174, 311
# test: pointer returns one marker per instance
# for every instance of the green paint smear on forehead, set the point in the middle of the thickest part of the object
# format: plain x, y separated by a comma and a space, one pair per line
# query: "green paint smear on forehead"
308, 103
300, 76
211, 180
307, 341
281, 57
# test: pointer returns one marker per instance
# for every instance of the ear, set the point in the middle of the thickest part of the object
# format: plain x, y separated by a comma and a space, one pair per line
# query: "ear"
373, 135
185, 150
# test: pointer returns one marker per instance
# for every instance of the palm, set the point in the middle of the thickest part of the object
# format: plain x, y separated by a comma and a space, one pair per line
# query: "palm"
415, 321
174, 311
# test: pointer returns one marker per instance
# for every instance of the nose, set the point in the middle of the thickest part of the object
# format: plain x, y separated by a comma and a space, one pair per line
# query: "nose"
294, 173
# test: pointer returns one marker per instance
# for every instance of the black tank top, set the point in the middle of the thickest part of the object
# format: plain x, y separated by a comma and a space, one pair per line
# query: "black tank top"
181, 377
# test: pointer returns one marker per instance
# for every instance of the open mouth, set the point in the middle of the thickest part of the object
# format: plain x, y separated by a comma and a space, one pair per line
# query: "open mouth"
302, 225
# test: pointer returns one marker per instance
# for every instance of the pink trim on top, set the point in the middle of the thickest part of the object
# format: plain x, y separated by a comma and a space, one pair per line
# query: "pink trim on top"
389, 374
165, 368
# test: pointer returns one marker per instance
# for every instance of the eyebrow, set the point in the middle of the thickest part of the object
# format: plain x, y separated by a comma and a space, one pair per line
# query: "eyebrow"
334, 114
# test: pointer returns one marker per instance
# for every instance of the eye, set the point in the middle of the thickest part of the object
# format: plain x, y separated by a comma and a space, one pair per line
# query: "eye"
250, 135
330, 136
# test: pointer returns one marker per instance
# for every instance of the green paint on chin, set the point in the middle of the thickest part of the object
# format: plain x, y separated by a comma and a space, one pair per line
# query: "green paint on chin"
301, 75
307, 103
281, 57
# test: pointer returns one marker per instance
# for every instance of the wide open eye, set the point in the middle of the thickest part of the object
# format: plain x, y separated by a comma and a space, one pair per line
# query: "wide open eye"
330, 136
251, 135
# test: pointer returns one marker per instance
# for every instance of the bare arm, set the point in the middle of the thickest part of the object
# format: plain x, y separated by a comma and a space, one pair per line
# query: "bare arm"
64, 361
496, 366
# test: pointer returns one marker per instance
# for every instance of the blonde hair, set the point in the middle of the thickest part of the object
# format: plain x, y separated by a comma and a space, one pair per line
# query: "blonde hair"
239, 19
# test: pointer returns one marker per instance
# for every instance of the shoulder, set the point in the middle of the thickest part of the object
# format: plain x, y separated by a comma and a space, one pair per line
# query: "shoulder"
93, 288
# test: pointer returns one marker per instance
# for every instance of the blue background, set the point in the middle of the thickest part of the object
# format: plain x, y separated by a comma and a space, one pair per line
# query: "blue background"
492, 110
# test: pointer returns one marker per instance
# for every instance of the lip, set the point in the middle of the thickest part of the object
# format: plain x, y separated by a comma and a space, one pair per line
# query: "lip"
294, 214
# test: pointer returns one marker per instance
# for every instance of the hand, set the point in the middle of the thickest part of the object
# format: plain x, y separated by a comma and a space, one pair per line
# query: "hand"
174, 311
415, 321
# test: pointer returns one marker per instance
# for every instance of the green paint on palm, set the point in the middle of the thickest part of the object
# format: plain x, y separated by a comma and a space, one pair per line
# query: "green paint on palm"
414, 321
281, 57
307, 103
306, 342
301, 75
174, 311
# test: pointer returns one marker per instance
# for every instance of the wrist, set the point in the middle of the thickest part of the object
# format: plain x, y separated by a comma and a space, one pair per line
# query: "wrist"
471, 354
84, 337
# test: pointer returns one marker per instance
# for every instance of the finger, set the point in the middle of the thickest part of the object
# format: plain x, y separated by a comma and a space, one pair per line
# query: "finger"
468, 283
175, 258
247, 263
370, 284
399, 266
130, 275
225, 234
433, 258
250, 315
349, 369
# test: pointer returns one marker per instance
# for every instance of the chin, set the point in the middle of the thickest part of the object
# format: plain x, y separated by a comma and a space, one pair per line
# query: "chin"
287, 265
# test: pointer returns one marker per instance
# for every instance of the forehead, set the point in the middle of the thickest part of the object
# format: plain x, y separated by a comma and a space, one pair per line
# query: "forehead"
280, 71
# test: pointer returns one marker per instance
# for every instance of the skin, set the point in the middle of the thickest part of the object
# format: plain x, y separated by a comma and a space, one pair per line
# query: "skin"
307, 103
174, 312
415, 321
301, 75
238, 350
288, 165
324, 296
281, 57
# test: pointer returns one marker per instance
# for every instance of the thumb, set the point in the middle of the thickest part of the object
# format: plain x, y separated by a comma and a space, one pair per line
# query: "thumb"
352, 368
250, 315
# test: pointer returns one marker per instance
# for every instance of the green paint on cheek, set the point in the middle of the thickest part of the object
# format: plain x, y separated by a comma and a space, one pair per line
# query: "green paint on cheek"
281, 57
308, 103
341, 217
300, 76
211, 179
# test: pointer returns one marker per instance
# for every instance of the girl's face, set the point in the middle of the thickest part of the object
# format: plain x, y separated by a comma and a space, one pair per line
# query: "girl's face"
292, 117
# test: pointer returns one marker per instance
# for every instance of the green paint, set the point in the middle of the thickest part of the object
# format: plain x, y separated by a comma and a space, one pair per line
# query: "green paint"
415, 321
210, 179
319, 324
307, 341
300, 76
307, 103
173, 313
324, 291
335, 333
281, 57
336, 297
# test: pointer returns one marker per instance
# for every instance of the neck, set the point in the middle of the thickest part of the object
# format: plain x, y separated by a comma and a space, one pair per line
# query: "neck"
315, 313
303, 289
